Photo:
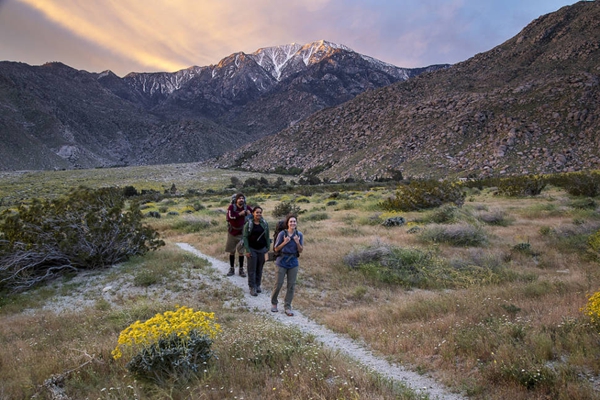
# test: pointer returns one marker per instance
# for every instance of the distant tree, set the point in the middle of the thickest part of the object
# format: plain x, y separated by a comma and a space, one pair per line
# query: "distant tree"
86, 229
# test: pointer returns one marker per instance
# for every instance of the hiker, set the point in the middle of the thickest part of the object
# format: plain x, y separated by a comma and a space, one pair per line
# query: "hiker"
256, 244
237, 213
290, 243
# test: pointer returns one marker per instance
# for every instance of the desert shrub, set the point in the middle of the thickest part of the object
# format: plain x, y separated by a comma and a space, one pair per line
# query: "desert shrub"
315, 216
525, 185
424, 194
579, 183
497, 218
129, 191
302, 199
584, 204
198, 206
592, 309
394, 221
594, 245
193, 225
417, 268
86, 229
454, 234
284, 208
444, 215
169, 346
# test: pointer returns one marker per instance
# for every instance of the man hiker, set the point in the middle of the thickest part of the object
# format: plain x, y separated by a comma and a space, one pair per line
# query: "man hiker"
237, 213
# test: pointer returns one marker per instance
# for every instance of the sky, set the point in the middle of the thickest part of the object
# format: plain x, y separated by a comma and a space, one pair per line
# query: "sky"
169, 35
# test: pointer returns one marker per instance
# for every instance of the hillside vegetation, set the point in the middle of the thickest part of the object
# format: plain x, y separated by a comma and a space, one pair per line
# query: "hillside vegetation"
487, 292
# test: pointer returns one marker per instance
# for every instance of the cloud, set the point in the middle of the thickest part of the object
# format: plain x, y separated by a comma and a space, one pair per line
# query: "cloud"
168, 35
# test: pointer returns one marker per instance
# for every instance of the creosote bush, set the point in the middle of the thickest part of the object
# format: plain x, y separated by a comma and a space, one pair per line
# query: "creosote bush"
424, 194
579, 183
526, 185
455, 234
86, 229
284, 208
411, 268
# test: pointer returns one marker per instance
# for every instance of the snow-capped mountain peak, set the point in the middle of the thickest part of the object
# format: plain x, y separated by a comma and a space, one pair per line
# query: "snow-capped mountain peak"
275, 59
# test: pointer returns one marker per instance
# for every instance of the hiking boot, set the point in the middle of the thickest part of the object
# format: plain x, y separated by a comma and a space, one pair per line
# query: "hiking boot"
242, 273
231, 272
253, 292
258, 290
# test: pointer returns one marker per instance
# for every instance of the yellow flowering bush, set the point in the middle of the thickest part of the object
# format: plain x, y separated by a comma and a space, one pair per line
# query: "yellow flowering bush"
594, 244
169, 345
180, 322
592, 308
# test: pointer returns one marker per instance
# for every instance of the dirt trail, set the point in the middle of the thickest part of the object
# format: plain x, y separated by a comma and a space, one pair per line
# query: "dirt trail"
422, 384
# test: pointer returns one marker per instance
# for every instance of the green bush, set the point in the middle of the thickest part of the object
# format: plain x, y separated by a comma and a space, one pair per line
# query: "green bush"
584, 204
315, 216
526, 185
86, 229
193, 225
496, 218
424, 194
174, 358
284, 208
418, 268
444, 215
579, 183
455, 235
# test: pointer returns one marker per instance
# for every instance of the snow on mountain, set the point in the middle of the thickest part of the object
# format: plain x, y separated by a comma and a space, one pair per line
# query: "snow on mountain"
162, 82
265, 67
281, 61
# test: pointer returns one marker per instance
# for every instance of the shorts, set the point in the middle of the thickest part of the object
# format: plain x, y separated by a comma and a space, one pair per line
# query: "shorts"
233, 244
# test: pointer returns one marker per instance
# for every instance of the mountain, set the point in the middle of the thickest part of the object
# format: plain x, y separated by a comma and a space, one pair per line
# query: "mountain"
53, 116
529, 105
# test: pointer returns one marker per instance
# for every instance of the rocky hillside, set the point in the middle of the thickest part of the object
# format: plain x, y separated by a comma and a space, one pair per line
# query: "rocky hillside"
54, 116
530, 105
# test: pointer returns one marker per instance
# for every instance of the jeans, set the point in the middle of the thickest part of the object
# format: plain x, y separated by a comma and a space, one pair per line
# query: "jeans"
256, 263
291, 274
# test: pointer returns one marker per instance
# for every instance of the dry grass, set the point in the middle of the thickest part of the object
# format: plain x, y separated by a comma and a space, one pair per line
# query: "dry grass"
523, 338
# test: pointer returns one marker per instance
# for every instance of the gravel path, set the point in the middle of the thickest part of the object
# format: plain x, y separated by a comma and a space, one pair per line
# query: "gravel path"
419, 383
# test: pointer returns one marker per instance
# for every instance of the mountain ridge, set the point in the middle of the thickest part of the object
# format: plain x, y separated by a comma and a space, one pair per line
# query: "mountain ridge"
529, 105
54, 116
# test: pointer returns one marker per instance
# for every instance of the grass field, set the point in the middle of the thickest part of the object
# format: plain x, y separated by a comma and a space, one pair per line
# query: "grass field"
487, 297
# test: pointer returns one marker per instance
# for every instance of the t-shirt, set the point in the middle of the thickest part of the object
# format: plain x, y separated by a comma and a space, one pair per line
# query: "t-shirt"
289, 252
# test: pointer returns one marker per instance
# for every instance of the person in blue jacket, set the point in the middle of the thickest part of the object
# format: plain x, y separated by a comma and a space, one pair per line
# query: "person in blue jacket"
290, 243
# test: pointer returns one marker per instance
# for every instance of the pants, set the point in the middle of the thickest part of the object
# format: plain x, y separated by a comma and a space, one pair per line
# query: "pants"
291, 274
256, 263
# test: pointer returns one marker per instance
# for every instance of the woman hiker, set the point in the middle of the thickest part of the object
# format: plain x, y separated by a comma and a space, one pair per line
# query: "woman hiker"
256, 242
290, 242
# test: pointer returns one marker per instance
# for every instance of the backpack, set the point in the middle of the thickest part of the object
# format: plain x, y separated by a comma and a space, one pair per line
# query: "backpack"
247, 217
278, 228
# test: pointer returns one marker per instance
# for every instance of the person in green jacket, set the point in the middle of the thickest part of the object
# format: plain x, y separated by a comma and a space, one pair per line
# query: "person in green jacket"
257, 241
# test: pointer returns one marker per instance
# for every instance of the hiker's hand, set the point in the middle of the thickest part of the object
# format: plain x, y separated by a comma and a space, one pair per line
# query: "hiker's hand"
249, 255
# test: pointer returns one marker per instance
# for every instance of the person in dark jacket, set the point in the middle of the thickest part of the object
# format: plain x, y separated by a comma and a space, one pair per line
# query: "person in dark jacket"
256, 242
290, 242
237, 213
